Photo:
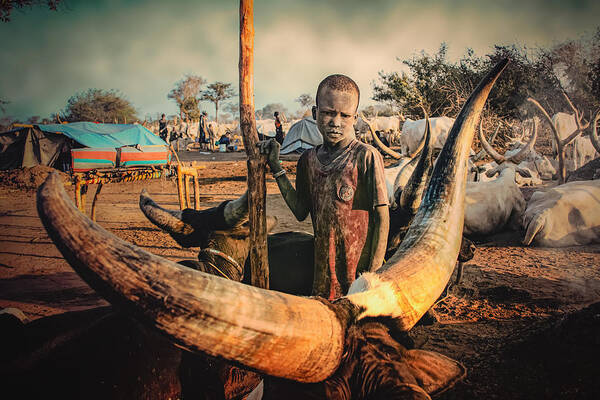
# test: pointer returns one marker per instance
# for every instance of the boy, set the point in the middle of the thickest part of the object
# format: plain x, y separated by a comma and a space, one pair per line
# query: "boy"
342, 185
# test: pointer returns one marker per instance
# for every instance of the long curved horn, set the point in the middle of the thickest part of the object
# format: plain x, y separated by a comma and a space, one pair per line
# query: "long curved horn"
411, 196
499, 158
271, 332
405, 173
409, 283
524, 152
378, 142
167, 220
236, 211
419, 147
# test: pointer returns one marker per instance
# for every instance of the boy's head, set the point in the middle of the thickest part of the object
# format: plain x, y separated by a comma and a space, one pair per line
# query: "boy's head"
276, 114
337, 102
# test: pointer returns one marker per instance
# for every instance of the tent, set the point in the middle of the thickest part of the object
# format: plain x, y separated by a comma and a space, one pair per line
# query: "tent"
33, 145
302, 135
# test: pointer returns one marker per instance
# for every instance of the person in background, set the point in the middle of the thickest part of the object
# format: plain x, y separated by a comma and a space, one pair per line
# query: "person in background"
202, 132
279, 136
224, 142
163, 131
211, 137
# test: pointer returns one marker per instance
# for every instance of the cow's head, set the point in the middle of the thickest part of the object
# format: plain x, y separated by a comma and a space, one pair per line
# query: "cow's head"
300, 339
503, 162
223, 228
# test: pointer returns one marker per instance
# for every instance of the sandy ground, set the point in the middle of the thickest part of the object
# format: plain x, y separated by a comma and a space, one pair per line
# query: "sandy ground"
509, 293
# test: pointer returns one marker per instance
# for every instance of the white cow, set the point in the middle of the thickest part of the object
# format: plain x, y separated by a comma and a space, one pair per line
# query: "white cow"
412, 133
567, 215
524, 160
580, 150
383, 124
491, 206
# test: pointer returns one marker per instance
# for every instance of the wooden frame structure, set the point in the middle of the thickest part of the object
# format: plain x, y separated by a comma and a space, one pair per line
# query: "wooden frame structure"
81, 180
184, 174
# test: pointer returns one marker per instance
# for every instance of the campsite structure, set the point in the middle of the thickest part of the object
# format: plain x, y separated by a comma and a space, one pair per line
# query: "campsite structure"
94, 153
303, 135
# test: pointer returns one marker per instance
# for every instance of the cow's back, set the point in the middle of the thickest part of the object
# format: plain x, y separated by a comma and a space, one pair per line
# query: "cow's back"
568, 215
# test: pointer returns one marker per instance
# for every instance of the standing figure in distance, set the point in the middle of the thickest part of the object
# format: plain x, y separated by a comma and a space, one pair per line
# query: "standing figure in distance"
279, 136
162, 128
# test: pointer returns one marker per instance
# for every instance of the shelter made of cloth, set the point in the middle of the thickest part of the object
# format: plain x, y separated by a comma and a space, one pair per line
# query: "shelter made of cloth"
33, 145
303, 135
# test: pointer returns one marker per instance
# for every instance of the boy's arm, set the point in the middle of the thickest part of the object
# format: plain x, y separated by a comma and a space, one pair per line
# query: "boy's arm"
381, 225
296, 203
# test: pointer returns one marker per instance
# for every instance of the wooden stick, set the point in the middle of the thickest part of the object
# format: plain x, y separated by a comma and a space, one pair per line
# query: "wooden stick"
196, 193
84, 189
78, 193
93, 212
180, 187
259, 265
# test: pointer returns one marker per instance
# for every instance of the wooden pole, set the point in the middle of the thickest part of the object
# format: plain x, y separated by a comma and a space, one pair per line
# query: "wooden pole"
180, 187
259, 264
93, 212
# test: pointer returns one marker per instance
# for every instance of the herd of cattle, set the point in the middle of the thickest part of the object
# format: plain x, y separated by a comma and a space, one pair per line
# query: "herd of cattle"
199, 331
565, 215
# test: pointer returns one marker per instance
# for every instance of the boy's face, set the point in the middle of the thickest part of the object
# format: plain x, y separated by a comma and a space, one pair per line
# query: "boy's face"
336, 115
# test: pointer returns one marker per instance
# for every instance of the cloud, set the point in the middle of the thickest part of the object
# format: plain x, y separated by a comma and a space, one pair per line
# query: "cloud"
144, 48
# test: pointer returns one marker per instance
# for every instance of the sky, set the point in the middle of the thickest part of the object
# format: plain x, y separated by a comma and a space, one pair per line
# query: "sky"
143, 47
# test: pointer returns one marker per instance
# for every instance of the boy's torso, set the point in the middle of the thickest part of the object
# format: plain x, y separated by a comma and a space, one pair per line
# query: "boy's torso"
340, 205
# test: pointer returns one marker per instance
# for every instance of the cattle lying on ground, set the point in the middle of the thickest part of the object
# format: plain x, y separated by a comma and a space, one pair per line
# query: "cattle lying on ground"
528, 164
305, 347
492, 206
567, 215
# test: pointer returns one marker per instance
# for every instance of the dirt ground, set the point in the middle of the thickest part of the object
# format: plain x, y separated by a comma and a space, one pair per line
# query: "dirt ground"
517, 320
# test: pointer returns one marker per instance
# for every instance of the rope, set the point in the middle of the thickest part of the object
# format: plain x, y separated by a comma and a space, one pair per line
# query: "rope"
224, 256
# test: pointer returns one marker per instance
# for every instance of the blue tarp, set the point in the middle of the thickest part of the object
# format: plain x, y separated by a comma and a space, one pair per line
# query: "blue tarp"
91, 134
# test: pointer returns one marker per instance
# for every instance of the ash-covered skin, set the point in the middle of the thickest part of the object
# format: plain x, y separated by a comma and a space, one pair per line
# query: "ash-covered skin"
342, 185
342, 195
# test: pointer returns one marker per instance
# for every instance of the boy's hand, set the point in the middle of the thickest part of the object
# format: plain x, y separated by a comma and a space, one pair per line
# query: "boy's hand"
270, 148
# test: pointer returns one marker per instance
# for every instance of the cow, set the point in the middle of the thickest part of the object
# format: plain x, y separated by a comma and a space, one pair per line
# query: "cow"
387, 125
566, 215
491, 206
412, 133
523, 159
305, 347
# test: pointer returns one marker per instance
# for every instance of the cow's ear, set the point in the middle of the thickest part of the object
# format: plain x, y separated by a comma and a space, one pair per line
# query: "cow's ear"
271, 222
435, 373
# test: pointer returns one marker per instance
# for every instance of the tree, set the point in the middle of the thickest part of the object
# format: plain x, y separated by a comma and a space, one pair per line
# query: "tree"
217, 92
305, 100
100, 106
442, 87
185, 94
268, 110
233, 109
7, 6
